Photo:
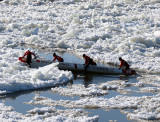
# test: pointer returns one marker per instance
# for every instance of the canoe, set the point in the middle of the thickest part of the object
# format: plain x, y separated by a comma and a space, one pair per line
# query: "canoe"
35, 63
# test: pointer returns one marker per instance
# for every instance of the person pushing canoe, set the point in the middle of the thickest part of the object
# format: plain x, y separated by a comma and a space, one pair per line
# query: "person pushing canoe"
29, 54
88, 61
60, 59
123, 63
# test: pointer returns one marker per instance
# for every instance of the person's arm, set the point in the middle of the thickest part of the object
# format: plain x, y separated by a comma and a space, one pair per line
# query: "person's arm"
121, 64
33, 54
54, 59
24, 54
87, 61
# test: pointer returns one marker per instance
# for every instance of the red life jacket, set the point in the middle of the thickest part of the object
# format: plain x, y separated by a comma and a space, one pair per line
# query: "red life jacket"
89, 60
86, 59
28, 53
123, 63
58, 58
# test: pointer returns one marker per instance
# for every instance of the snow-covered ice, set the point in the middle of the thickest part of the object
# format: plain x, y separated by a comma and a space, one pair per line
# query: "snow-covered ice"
46, 114
16, 77
104, 30
80, 90
144, 108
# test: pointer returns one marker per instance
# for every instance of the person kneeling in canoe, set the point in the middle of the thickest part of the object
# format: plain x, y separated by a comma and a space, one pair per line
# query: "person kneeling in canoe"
57, 57
29, 54
123, 63
88, 61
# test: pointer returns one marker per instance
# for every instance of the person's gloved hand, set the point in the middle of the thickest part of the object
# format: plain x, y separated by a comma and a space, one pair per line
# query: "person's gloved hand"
119, 68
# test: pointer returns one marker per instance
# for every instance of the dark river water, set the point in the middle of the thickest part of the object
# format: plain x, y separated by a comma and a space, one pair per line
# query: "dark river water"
17, 99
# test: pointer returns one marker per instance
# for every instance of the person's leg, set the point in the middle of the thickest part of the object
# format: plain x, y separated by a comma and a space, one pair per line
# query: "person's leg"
126, 69
28, 64
28, 61
85, 67
94, 63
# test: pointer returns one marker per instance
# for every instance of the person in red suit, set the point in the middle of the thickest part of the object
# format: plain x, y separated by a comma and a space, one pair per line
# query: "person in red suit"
88, 61
57, 57
123, 63
29, 54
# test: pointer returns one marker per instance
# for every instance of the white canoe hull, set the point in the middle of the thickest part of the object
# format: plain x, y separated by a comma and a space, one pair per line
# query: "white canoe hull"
79, 67
35, 63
